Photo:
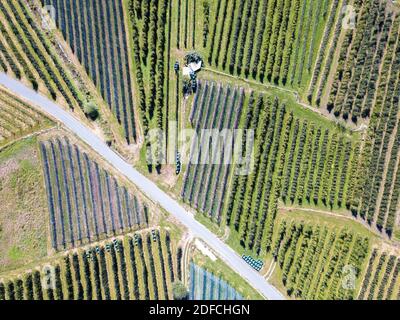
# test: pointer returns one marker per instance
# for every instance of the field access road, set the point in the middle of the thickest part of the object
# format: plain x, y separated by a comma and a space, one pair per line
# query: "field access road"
145, 185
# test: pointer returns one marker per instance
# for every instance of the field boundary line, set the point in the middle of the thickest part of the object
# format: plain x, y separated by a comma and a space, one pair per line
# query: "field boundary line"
36, 133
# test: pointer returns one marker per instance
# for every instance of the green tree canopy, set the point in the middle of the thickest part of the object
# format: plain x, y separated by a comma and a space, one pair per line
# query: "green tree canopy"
180, 291
91, 110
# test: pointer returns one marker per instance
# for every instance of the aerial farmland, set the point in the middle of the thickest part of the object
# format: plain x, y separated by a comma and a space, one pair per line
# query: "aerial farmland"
227, 150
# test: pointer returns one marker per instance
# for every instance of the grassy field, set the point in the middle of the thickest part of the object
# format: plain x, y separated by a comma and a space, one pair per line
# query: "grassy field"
23, 209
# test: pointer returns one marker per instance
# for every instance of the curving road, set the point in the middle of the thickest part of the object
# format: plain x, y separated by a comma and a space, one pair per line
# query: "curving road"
145, 185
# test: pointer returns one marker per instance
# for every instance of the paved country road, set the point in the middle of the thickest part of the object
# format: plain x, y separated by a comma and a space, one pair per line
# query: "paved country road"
146, 186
